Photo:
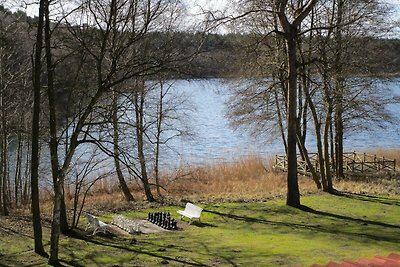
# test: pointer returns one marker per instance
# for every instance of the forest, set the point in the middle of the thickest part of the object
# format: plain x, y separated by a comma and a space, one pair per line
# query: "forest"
97, 75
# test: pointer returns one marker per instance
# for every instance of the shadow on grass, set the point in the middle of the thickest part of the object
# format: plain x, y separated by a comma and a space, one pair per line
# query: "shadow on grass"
74, 262
347, 218
15, 263
227, 259
368, 198
202, 224
69, 263
108, 243
64, 263
10, 261
9, 230
320, 228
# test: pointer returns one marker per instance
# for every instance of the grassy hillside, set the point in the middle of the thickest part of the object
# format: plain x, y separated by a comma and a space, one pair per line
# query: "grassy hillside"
329, 228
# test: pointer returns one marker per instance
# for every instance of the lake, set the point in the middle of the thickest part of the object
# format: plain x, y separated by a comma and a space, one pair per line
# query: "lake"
213, 140
216, 141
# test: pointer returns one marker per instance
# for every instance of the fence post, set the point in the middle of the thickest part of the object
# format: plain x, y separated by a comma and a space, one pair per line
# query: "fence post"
284, 163
376, 164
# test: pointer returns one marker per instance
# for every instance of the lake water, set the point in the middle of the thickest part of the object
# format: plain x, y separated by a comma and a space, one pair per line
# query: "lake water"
216, 141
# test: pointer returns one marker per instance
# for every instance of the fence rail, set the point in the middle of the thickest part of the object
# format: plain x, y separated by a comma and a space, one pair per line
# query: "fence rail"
353, 163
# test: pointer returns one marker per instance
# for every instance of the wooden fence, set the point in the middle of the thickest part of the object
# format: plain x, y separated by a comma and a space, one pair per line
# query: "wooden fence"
353, 164
364, 163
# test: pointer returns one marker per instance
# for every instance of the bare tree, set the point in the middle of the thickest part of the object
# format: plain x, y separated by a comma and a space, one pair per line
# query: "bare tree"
290, 18
149, 117
115, 118
14, 76
35, 133
159, 130
139, 97
320, 57
336, 39
84, 175
291, 33
116, 36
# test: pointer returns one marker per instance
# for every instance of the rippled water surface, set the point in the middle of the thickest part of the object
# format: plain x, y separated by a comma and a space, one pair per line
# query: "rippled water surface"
215, 140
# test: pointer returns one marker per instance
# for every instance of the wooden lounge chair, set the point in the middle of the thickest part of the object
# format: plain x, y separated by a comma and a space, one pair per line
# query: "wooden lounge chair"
97, 225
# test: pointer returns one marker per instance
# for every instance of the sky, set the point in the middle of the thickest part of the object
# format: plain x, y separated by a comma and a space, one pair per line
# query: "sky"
195, 7
394, 2
396, 6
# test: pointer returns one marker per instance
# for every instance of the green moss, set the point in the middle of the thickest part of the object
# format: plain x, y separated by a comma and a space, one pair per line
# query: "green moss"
328, 228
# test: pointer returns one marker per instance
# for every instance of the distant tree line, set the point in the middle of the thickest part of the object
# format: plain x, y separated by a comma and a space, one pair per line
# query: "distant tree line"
225, 55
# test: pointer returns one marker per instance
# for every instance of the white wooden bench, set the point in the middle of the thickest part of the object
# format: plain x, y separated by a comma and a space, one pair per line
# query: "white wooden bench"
97, 225
191, 211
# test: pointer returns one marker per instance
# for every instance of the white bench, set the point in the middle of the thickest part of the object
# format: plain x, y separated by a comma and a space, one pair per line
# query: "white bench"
96, 224
191, 211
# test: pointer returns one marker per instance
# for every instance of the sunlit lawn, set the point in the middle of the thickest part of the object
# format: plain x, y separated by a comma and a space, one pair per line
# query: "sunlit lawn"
330, 228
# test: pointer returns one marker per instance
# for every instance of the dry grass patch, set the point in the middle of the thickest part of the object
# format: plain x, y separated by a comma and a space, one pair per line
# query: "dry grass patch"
387, 153
248, 178
245, 180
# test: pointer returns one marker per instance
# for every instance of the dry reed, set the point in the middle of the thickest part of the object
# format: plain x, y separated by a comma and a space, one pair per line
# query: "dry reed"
387, 153
248, 179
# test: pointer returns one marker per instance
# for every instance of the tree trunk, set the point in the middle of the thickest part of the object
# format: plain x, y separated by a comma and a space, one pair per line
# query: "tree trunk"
18, 167
306, 157
139, 111
55, 225
328, 173
37, 227
160, 116
293, 193
2, 132
3, 140
280, 121
332, 146
4, 170
317, 125
27, 175
3, 205
291, 35
122, 183
77, 189
339, 93
302, 130
58, 180
281, 77
1, 186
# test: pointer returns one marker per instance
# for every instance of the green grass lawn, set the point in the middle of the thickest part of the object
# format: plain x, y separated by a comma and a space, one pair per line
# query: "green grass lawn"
329, 228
